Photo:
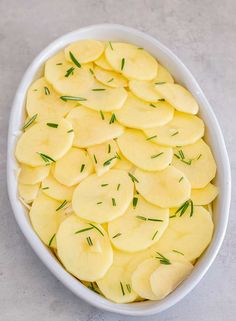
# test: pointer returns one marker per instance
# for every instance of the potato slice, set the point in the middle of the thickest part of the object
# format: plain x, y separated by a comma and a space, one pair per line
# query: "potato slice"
196, 162
104, 156
188, 234
73, 167
46, 216
32, 175
43, 144
99, 199
183, 129
145, 90
131, 61
84, 51
44, 102
141, 226
163, 75
142, 152
139, 114
84, 249
178, 97
167, 277
116, 284
124, 164
92, 128
54, 189
204, 196
110, 78
28, 192
166, 188
103, 63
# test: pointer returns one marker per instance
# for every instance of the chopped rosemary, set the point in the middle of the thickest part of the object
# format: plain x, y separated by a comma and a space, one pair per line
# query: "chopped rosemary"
122, 288
66, 98
117, 235
108, 162
122, 63
102, 115
163, 259
98, 203
30, 121
152, 105
98, 89
133, 178
176, 133
51, 239
75, 61
95, 159
154, 235
70, 131
182, 158
113, 118
118, 187
94, 226
118, 156
181, 178
109, 148
46, 91
155, 156
82, 168
103, 185
200, 155
160, 83
110, 80
84, 230
69, 72
91, 71
182, 209
172, 216
135, 202
128, 288
177, 252
151, 137
91, 287
63, 204
46, 158
140, 48
143, 218
110, 45
113, 202
59, 64
89, 240
52, 125
45, 187
161, 99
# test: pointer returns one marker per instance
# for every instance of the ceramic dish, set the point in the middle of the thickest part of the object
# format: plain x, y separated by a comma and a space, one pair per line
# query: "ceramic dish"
214, 136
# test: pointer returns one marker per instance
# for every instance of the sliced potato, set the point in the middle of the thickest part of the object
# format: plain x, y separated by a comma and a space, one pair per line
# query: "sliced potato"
103, 63
92, 128
32, 175
46, 217
196, 162
99, 199
110, 78
187, 235
165, 188
183, 129
84, 249
141, 226
116, 284
124, 164
54, 189
44, 102
142, 152
163, 75
43, 144
104, 156
204, 196
84, 51
139, 114
28, 192
178, 97
73, 167
130, 61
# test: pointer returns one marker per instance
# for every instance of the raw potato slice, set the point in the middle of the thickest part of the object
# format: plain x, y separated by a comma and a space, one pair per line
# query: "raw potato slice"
167, 277
204, 196
198, 163
46, 218
116, 284
178, 97
124, 164
104, 156
54, 189
131, 61
92, 128
139, 114
110, 78
163, 75
73, 167
96, 202
28, 192
189, 235
84, 50
103, 63
142, 152
183, 129
85, 254
165, 188
32, 175
145, 90
44, 102
42, 139
140, 278
141, 226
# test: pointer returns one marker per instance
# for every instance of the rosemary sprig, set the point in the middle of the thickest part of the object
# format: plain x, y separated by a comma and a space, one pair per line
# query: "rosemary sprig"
46, 91
163, 259
133, 178
51, 239
52, 125
95, 159
113, 118
75, 61
154, 235
30, 121
89, 240
82, 168
84, 230
96, 228
102, 115
178, 252
46, 158
122, 288
157, 155
118, 187
151, 137
143, 218
69, 72
182, 209
98, 89
117, 235
110, 80
63, 204
135, 202
108, 162
122, 63
66, 98
91, 287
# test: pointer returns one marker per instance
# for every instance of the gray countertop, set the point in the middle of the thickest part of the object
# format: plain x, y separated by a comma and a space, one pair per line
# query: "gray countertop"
203, 34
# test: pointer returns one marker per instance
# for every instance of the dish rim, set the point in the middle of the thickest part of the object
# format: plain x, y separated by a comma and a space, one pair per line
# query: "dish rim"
134, 309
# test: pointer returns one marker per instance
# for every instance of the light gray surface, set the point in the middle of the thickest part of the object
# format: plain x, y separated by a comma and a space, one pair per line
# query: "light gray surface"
202, 34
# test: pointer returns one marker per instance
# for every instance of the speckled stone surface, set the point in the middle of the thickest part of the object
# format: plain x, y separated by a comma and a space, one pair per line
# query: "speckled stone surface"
203, 34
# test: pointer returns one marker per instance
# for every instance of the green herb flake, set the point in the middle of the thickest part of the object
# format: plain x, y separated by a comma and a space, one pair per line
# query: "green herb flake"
103, 185
75, 61
102, 115
140, 48
51, 239
157, 155
91, 287
128, 287
122, 63
94, 226
113, 202
89, 241
110, 80
95, 159
200, 155
46, 91
73, 98
151, 137
98, 89
122, 288
182, 209
133, 178
174, 134
161, 99
110, 44
30, 121
181, 178
160, 83
45, 187
154, 235
178, 252
118, 187
117, 235
152, 105
70, 131
46, 158
163, 259
63, 204
135, 202
109, 148
69, 72
52, 125
143, 218
82, 168
84, 230
91, 71
59, 64
108, 162
98, 203
113, 118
